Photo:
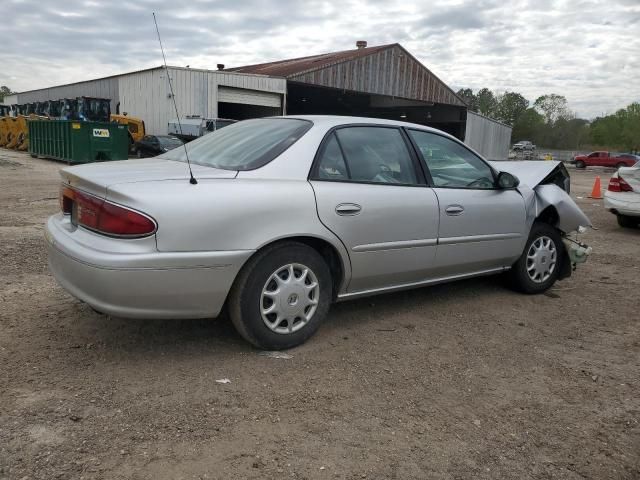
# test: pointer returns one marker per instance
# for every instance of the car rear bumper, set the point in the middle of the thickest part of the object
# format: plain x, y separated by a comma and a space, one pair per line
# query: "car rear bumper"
623, 203
141, 285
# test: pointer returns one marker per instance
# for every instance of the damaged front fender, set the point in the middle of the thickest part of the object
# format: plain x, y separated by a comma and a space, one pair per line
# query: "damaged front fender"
570, 216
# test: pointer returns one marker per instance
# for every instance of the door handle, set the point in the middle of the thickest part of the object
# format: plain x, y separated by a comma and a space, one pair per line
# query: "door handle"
348, 209
454, 210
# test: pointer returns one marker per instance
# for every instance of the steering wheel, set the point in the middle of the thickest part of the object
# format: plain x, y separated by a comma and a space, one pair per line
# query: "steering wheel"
481, 182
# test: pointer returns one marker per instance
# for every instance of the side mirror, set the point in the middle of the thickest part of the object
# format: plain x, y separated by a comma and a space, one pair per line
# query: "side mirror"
507, 181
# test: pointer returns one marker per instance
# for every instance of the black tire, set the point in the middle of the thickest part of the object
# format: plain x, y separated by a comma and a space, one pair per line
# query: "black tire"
580, 164
245, 298
627, 221
620, 165
519, 277
138, 153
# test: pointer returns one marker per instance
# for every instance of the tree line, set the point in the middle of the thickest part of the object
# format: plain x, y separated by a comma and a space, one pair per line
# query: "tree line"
550, 123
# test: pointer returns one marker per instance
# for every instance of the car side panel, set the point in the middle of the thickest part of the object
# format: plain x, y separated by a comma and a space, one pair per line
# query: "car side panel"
489, 233
230, 214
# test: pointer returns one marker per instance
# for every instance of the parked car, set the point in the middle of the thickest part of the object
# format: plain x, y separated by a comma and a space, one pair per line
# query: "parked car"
604, 159
622, 197
524, 146
292, 213
153, 145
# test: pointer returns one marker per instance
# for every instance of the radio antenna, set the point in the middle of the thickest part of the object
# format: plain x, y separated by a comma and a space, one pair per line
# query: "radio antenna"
192, 179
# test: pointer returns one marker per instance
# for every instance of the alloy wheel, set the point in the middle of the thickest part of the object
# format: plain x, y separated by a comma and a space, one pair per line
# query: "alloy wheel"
541, 259
289, 298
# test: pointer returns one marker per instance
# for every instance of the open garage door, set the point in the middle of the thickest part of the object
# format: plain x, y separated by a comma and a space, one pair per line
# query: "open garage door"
240, 104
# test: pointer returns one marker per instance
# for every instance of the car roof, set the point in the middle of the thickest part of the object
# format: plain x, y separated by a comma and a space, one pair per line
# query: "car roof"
330, 121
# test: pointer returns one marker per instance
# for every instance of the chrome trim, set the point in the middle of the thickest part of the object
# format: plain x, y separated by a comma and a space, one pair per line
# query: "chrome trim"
477, 238
424, 283
376, 247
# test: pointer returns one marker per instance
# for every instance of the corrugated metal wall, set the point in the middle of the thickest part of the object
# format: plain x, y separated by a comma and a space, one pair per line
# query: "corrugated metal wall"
393, 72
146, 94
249, 97
102, 88
488, 137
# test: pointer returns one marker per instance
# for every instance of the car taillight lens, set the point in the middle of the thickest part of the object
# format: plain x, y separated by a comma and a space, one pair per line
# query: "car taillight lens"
618, 184
104, 217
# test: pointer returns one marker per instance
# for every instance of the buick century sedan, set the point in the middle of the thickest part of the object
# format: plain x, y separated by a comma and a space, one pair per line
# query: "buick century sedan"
285, 215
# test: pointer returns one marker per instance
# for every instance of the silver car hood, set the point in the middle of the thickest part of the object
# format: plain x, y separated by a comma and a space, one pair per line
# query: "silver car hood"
96, 178
529, 172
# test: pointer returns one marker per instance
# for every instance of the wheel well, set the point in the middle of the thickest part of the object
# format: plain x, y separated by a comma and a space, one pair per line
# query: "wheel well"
549, 215
326, 250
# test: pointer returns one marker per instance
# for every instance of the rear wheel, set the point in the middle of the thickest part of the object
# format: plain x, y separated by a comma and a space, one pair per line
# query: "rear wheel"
627, 221
620, 165
281, 296
538, 267
138, 153
580, 164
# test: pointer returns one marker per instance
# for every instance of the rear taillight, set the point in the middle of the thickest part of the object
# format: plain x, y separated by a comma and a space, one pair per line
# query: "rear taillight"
618, 184
104, 217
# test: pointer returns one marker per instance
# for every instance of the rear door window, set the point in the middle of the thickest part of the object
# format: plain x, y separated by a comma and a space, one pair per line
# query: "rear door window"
366, 154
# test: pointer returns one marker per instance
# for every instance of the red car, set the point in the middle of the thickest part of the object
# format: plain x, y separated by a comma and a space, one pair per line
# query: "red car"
604, 159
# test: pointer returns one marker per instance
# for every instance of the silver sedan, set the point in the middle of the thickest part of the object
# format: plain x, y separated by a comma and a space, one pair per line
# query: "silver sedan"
286, 215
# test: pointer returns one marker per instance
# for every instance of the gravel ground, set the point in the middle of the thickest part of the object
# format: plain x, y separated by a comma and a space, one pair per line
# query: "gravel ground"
467, 380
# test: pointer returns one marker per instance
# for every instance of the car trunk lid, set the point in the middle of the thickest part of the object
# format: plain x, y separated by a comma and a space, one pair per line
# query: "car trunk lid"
96, 178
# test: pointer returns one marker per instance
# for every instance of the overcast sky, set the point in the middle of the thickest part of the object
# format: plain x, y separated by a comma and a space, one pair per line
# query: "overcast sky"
588, 51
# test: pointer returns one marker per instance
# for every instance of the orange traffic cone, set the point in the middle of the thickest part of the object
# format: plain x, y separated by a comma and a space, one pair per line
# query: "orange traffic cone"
596, 193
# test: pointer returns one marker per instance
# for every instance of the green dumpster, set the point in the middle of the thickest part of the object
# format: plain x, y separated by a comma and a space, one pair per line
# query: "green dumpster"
78, 142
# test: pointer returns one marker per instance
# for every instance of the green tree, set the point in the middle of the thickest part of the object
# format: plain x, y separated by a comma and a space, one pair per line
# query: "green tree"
552, 106
529, 126
4, 91
487, 103
510, 106
469, 98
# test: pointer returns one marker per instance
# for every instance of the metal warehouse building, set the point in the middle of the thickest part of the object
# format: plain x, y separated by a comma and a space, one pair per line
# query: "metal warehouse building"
146, 94
383, 81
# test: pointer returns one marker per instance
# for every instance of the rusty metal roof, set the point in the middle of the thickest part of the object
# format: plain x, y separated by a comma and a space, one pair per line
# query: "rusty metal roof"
296, 66
384, 70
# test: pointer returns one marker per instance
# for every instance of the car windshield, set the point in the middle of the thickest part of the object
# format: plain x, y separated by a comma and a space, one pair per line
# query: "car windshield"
245, 145
169, 141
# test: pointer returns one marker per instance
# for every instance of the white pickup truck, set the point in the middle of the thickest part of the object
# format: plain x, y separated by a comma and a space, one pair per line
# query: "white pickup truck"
192, 126
524, 145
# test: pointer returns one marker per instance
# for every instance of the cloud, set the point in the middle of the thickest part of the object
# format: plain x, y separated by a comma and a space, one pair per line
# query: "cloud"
587, 50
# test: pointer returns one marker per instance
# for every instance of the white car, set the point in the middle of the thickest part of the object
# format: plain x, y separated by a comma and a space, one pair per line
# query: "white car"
622, 197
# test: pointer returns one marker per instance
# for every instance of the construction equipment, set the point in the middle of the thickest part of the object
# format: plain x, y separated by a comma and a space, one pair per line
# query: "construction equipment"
53, 109
85, 109
5, 112
134, 125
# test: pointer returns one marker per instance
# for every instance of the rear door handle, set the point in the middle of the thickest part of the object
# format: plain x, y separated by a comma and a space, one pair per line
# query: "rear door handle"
348, 209
454, 210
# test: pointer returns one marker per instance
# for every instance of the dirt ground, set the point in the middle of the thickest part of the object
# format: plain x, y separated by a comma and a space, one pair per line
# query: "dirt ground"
460, 381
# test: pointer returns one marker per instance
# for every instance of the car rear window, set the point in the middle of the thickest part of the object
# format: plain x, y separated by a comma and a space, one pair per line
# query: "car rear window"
245, 145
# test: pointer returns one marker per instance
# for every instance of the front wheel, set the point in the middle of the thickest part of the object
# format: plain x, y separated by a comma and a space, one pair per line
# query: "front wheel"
281, 296
580, 164
538, 267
